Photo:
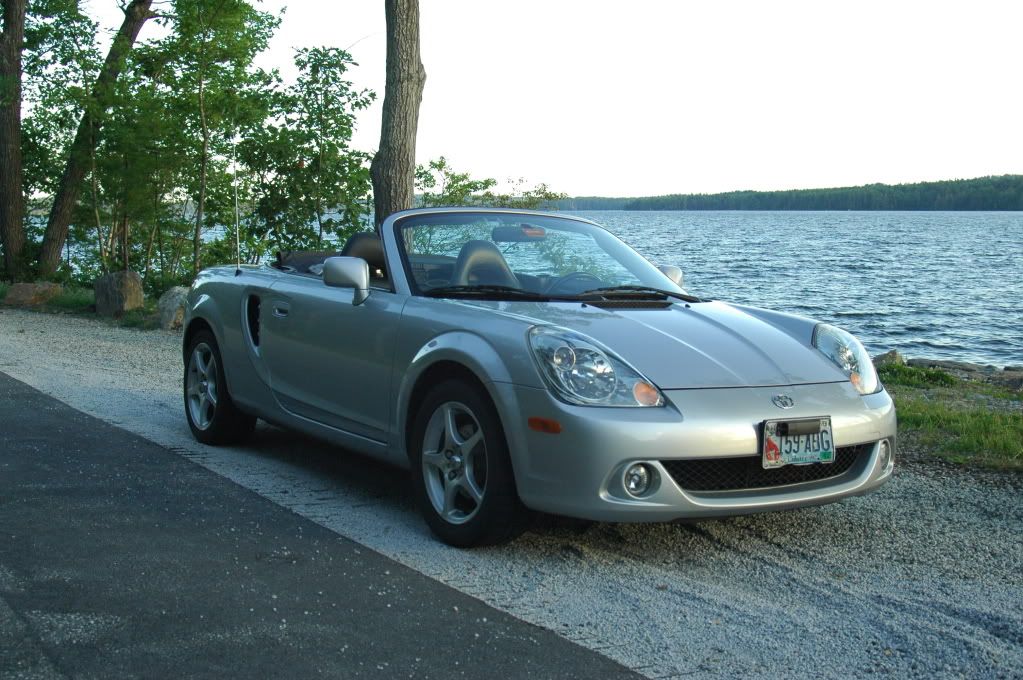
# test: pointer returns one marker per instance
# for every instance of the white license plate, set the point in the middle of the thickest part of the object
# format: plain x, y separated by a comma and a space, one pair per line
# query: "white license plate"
797, 442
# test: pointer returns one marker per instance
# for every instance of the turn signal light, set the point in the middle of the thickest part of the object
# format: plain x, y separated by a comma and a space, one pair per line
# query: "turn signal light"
646, 394
546, 425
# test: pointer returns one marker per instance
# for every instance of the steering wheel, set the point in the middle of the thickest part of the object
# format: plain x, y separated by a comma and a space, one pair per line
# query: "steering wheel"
559, 284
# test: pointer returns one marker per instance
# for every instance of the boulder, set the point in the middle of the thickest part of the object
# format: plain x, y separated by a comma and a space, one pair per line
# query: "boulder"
891, 357
953, 367
117, 293
31, 294
172, 307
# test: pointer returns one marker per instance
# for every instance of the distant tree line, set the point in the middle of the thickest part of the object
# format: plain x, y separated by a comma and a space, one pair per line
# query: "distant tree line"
1004, 192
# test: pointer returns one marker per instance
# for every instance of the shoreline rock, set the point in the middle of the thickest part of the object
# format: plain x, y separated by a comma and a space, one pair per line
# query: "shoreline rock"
1010, 377
172, 307
117, 293
31, 294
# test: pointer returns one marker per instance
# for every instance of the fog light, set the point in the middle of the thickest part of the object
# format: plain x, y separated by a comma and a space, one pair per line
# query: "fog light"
884, 453
637, 479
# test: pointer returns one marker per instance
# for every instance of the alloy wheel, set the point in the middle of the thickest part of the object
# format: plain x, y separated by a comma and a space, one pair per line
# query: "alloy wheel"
454, 462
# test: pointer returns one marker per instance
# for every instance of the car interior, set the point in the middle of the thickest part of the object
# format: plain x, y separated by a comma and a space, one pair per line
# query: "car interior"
364, 245
478, 263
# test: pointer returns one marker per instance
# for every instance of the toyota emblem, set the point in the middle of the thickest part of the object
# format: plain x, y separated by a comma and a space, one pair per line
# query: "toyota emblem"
783, 401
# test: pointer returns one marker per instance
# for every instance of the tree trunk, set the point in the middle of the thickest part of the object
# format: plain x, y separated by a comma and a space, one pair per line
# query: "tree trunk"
394, 165
12, 200
135, 15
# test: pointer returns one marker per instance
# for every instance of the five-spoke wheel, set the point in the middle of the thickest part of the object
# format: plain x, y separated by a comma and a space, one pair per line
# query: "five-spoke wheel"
212, 414
461, 467
201, 385
455, 462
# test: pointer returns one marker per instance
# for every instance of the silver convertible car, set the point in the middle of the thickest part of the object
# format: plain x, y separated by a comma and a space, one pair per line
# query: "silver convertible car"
521, 360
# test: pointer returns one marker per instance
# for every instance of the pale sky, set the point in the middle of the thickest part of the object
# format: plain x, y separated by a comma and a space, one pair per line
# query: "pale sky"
652, 97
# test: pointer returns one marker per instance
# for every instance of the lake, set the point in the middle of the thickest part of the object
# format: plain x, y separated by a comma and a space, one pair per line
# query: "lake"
940, 285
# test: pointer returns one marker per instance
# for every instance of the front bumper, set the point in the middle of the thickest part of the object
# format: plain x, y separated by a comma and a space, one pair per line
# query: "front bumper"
578, 472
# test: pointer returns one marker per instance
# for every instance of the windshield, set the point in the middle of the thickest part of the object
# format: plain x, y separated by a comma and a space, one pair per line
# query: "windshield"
488, 253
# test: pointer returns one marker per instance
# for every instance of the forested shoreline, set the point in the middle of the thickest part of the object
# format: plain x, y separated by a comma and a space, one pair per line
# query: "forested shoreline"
1003, 192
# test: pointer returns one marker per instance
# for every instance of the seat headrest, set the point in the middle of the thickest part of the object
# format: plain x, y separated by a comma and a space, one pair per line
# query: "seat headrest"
481, 262
368, 247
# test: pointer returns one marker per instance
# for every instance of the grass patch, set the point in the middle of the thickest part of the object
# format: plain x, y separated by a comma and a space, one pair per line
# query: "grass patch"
909, 376
145, 318
962, 421
142, 319
977, 436
73, 300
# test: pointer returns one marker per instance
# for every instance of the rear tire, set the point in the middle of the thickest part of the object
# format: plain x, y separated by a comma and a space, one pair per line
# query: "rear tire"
461, 469
211, 413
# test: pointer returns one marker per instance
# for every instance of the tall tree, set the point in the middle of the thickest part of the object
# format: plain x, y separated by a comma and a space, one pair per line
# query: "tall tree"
12, 231
135, 15
394, 166
310, 185
210, 53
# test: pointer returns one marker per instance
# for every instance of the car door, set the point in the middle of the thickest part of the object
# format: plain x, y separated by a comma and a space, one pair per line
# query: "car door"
329, 360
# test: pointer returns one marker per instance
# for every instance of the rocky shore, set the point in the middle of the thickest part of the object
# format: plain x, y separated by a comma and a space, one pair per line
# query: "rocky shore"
1010, 377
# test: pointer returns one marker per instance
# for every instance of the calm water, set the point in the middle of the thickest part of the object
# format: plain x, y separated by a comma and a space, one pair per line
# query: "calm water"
946, 285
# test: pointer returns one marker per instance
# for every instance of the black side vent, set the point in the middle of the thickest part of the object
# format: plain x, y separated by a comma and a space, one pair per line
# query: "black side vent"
252, 315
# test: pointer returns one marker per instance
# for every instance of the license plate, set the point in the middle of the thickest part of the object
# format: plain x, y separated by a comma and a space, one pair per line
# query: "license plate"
797, 442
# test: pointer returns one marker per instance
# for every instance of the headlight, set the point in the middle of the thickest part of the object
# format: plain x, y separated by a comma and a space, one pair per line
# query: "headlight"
580, 371
848, 354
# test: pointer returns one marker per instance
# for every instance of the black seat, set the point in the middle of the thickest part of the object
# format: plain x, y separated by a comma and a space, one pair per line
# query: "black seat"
368, 247
481, 263
301, 260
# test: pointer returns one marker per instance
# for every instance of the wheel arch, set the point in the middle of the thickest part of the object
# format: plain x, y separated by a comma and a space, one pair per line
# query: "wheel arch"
195, 326
460, 355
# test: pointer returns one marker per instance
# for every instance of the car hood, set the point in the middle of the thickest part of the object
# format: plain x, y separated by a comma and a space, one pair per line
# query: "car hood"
707, 344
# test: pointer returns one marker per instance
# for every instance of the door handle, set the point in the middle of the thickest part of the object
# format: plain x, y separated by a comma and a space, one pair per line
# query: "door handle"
281, 309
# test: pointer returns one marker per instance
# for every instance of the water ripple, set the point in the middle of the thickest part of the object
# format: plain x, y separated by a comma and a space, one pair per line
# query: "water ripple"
944, 285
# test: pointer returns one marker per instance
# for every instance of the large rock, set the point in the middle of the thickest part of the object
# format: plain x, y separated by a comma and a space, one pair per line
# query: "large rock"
890, 357
172, 307
117, 293
31, 294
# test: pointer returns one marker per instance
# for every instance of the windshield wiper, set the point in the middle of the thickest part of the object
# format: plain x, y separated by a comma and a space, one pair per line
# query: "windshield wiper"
620, 292
486, 291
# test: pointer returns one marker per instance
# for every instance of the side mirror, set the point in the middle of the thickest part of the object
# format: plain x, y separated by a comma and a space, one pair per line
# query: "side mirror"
348, 272
672, 272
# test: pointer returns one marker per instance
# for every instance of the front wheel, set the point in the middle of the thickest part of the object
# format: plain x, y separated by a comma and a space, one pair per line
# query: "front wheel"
211, 413
461, 468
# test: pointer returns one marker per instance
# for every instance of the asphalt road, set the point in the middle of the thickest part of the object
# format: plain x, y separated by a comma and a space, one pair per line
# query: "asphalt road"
119, 558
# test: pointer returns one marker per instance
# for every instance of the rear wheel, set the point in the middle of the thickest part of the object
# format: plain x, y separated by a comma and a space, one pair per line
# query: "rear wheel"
461, 468
211, 413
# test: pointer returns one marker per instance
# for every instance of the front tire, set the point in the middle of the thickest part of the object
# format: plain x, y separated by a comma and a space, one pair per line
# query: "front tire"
461, 469
211, 413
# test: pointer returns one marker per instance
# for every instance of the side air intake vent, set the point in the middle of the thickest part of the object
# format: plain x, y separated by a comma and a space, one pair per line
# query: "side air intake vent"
252, 315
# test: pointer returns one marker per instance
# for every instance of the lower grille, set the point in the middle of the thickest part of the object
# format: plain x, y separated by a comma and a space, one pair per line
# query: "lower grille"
747, 472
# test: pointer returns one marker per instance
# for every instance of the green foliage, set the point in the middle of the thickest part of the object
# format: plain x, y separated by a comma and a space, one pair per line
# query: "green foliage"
191, 121
144, 319
60, 63
910, 376
984, 193
964, 434
3, 290
308, 183
73, 299
439, 184
963, 421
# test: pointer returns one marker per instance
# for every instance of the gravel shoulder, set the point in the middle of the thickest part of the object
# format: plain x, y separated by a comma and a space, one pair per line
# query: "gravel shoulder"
923, 578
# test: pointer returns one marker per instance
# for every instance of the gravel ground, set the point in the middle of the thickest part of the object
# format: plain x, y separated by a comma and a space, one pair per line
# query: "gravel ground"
923, 578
